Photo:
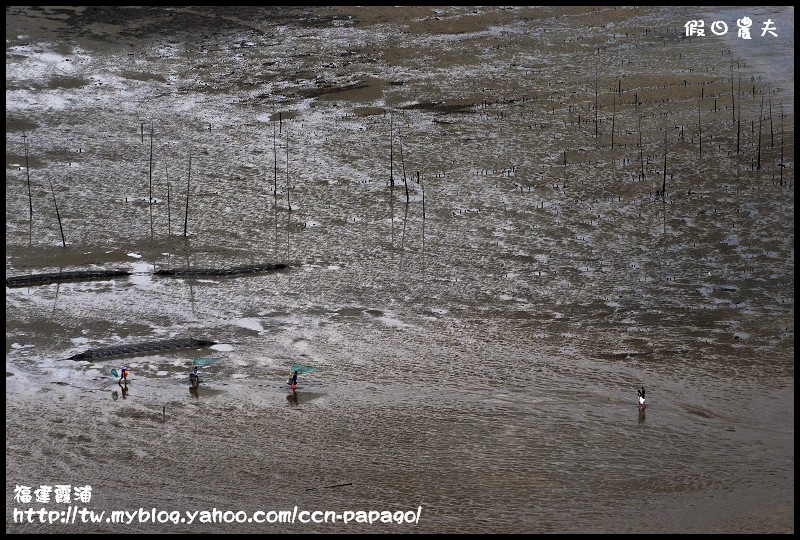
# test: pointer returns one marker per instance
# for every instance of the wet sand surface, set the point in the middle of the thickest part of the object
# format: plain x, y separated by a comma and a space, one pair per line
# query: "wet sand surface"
480, 335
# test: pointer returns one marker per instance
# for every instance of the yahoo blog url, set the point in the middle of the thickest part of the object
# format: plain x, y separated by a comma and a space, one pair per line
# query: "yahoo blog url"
74, 515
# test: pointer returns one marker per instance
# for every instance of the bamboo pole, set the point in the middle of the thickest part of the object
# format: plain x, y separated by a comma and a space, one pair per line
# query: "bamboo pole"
403, 163
58, 216
771, 133
391, 148
288, 184
422, 187
188, 183
739, 122
596, 98
641, 150
733, 101
30, 196
169, 213
664, 182
760, 118
150, 200
781, 142
275, 154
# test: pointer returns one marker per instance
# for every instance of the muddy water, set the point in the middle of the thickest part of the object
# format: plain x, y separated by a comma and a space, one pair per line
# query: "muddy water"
479, 337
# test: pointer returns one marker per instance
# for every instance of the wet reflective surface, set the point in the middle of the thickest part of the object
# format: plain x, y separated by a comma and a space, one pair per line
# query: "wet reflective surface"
479, 341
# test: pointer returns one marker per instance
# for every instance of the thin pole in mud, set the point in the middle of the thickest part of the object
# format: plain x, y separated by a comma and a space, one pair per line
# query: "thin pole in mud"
58, 216
275, 155
30, 197
403, 163
391, 149
739, 122
58, 286
288, 184
760, 118
150, 199
186, 214
169, 214
641, 148
288, 236
781, 142
423, 235
142, 130
596, 98
733, 101
421, 180
664, 182
403, 237
275, 178
771, 132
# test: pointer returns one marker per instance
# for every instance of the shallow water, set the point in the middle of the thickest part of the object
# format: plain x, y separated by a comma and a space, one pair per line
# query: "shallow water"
478, 352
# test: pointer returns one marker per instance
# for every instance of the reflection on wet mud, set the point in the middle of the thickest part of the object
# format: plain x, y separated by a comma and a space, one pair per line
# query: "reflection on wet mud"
298, 398
123, 390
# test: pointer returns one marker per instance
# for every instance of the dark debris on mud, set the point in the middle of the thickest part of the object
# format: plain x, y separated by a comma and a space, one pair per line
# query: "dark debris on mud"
141, 348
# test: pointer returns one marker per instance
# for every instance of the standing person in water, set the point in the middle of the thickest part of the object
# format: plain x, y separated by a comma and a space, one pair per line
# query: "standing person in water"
123, 374
293, 380
193, 376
